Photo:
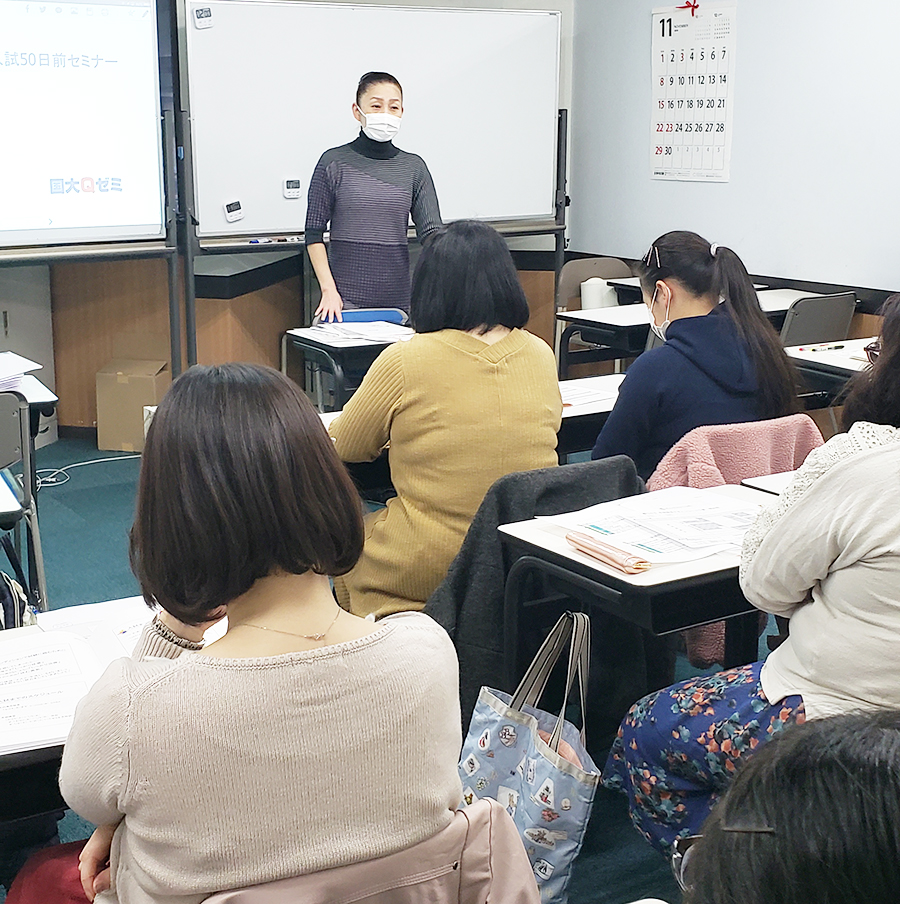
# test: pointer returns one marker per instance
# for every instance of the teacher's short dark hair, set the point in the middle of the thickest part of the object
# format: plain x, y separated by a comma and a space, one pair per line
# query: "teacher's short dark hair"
466, 280
239, 480
370, 79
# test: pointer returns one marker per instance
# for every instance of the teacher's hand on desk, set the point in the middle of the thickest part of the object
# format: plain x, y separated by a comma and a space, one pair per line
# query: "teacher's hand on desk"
330, 306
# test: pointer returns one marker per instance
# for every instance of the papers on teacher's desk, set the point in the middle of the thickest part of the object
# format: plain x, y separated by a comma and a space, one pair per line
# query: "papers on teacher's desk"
13, 368
378, 332
675, 525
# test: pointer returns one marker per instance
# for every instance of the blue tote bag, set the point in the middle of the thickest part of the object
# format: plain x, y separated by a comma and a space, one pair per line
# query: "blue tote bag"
534, 763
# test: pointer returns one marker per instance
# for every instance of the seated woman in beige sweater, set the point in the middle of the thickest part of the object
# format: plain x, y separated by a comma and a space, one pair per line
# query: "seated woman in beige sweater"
470, 398
305, 738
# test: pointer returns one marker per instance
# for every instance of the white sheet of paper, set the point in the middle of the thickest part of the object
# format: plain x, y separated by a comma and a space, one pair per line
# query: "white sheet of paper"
43, 677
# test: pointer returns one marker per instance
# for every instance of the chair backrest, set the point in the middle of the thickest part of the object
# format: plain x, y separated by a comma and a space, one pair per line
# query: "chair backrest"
11, 445
574, 273
367, 315
468, 603
478, 858
822, 318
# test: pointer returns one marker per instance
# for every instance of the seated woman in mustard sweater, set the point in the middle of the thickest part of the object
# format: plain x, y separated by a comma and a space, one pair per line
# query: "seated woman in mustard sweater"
470, 398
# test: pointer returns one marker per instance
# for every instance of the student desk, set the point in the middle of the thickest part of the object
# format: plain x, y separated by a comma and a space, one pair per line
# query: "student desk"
28, 775
827, 366
628, 288
341, 349
770, 483
624, 329
665, 599
587, 403
10, 508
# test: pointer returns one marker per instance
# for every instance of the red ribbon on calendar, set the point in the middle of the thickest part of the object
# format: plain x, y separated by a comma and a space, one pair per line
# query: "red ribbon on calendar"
692, 5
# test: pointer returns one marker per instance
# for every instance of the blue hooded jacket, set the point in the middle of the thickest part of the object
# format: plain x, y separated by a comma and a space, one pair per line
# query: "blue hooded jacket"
702, 375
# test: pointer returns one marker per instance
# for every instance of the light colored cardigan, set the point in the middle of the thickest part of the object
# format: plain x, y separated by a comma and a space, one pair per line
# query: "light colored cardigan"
235, 772
459, 414
826, 553
478, 858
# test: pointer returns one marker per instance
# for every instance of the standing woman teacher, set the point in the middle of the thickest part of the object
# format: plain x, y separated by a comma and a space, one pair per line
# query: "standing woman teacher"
367, 190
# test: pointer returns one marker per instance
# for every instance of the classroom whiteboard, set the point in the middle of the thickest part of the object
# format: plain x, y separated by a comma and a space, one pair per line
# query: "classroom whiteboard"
814, 192
81, 153
271, 84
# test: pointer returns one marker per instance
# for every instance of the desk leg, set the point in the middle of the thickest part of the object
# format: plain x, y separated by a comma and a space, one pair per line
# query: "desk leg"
741, 640
567, 334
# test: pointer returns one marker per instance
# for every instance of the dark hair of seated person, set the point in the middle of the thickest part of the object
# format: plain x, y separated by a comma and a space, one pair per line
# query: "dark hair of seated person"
466, 280
718, 273
874, 394
239, 480
812, 818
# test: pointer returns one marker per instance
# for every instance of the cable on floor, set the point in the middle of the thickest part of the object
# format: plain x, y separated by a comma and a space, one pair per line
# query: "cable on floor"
54, 477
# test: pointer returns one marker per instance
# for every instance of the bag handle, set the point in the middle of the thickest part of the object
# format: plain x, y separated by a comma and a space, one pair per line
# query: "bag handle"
534, 681
574, 627
579, 663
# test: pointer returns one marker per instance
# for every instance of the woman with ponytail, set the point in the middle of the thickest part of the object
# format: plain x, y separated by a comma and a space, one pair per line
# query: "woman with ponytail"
721, 361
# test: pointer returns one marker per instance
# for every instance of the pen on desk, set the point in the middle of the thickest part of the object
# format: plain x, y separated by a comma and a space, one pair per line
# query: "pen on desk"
821, 348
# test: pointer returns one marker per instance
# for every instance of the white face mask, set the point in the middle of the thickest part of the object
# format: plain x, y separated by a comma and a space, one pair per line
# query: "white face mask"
380, 126
660, 329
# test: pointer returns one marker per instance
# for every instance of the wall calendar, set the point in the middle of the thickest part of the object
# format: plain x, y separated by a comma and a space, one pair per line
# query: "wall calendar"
693, 90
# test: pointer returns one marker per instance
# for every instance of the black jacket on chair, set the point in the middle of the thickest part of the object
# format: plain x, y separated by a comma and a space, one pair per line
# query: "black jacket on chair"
469, 601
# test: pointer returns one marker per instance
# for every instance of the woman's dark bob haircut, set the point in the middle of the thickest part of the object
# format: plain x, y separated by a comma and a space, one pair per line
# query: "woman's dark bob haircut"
466, 280
813, 818
375, 78
239, 480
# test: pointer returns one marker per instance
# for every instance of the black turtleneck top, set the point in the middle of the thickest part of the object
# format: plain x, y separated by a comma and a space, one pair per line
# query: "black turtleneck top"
367, 190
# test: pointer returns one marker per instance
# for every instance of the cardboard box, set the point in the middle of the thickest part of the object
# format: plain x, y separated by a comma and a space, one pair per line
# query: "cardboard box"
137, 376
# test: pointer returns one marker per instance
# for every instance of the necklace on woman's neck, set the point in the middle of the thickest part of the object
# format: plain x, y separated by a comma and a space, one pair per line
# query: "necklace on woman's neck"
320, 636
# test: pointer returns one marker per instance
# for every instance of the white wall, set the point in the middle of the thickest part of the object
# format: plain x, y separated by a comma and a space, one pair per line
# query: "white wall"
815, 183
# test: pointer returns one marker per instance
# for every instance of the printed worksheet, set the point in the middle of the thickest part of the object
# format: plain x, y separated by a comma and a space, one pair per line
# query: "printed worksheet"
674, 525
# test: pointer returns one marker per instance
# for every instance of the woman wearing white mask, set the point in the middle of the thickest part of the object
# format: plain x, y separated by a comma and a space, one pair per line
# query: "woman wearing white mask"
721, 361
367, 190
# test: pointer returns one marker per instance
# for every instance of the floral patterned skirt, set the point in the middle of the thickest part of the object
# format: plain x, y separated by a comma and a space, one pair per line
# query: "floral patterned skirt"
678, 748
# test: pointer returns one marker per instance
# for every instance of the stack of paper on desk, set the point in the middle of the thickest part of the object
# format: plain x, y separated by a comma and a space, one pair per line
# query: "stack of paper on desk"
375, 331
674, 525
13, 368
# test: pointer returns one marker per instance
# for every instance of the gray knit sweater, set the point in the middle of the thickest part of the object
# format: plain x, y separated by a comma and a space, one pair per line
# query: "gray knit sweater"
234, 772
367, 190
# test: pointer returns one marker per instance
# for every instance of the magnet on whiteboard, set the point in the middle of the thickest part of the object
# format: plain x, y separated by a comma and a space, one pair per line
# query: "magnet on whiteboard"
234, 211
203, 16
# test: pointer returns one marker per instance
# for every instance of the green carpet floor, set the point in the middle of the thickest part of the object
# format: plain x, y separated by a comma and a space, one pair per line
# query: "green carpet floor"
84, 527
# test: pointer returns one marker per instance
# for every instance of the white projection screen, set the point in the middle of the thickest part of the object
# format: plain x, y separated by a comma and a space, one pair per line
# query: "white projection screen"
79, 102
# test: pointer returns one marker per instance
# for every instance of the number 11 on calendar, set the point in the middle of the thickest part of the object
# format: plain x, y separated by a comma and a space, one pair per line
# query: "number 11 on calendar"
693, 50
